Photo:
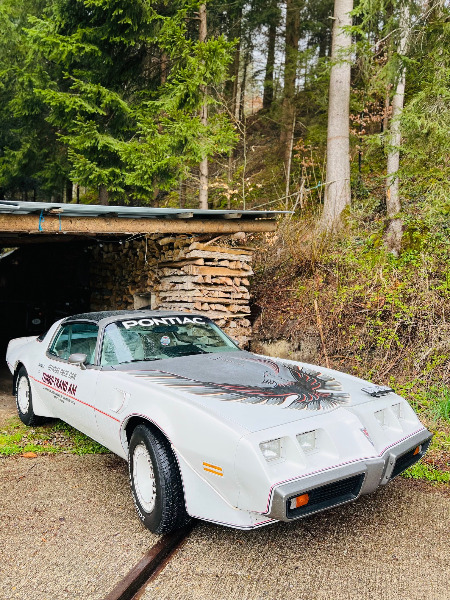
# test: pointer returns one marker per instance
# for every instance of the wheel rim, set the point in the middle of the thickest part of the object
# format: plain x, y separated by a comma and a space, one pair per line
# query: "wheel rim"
144, 478
23, 395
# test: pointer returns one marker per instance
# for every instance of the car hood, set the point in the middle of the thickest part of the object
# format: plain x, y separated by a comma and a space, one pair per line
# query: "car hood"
255, 391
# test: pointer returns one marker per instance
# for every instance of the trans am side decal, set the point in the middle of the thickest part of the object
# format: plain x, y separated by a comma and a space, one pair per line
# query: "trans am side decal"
307, 390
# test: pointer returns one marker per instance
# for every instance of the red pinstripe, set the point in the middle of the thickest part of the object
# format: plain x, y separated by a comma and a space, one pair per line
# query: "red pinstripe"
73, 398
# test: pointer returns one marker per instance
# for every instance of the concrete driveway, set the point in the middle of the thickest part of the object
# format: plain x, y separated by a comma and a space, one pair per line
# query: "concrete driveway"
68, 530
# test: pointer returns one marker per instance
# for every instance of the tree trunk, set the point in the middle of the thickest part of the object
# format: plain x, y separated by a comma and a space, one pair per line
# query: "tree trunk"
164, 67
323, 46
203, 192
182, 192
288, 161
337, 188
243, 86
69, 191
393, 235
272, 36
232, 84
236, 60
103, 195
290, 67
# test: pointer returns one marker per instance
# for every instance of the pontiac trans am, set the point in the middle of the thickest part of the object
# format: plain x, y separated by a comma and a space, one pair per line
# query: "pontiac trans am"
209, 430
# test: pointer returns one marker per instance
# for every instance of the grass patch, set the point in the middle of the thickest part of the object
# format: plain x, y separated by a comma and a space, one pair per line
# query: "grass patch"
54, 437
440, 403
423, 471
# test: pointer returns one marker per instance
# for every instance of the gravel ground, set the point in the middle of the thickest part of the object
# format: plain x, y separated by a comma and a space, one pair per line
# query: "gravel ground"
7, 403
68, 528
392, 545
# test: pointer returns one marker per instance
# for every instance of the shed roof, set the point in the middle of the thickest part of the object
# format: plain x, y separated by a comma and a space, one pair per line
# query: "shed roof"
128, 212
22, 222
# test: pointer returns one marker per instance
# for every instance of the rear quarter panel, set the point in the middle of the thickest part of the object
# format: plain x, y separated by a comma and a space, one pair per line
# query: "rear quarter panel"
29, 352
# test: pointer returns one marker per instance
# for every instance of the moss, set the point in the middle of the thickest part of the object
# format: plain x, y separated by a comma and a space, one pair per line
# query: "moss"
52, 438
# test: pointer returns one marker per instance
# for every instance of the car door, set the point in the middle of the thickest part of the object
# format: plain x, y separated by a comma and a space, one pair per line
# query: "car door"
113, 394
67, 387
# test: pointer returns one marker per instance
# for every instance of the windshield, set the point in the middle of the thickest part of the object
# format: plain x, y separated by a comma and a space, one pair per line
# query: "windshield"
157, 338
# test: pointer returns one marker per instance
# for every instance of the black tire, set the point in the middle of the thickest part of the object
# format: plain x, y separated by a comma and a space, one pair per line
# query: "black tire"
24, 400
155, 482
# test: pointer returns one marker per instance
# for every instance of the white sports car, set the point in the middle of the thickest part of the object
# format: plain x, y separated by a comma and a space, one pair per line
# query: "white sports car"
211, 431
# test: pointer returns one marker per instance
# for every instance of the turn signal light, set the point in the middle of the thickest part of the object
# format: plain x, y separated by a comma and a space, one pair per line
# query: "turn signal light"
299, 501
417, 450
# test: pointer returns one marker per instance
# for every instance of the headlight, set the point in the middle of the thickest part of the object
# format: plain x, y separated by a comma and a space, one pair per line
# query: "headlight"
271, 450
390, 417
397, 410
308, 441
381, 417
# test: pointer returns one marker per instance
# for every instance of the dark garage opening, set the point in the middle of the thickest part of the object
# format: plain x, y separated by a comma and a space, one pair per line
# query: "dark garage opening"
39, 284
161, 256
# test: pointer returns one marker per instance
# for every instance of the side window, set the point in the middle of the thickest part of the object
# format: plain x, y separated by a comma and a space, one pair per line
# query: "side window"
84, 340
61, 344
77, 338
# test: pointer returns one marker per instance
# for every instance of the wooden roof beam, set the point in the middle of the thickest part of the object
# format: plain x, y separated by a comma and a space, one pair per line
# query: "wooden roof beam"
59, 224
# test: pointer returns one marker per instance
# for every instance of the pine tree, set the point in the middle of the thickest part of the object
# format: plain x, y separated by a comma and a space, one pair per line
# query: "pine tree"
32, 161
203, 191
128, 130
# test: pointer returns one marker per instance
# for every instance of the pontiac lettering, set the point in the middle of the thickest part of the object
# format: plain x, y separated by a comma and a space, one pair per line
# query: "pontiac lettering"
163, 321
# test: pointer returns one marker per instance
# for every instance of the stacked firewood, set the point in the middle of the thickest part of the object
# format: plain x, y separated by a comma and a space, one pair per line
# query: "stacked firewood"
178, 273
208, 278
119, 272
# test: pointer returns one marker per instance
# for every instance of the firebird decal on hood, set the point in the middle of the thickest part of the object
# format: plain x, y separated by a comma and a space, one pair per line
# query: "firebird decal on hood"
307, 389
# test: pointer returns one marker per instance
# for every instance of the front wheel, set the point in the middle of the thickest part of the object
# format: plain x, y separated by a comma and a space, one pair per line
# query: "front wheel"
24, 400
155, 482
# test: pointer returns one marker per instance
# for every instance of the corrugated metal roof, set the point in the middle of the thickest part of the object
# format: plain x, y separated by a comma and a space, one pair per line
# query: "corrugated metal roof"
129, 212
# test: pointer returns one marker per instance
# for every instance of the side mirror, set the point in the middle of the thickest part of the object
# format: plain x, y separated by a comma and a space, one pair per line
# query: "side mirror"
78, 359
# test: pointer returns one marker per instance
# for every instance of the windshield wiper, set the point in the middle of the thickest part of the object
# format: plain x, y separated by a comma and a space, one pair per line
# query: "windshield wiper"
138, 360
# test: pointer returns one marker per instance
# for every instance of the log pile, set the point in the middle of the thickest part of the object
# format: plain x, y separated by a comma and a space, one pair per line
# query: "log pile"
207, 278
179, 273
119, 272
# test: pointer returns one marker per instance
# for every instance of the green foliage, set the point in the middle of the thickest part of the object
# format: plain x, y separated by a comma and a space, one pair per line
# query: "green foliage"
30, 155
425, 167
438, 402
121, 132
52, 438
423, 471
84, 96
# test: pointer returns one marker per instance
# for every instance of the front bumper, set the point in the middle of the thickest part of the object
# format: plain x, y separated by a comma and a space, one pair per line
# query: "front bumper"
343, 483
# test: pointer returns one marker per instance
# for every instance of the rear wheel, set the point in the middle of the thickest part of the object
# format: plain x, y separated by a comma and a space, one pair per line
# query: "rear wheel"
155, 482
24, 400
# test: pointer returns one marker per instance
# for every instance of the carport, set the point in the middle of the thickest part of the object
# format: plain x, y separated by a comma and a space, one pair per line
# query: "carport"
60, 259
